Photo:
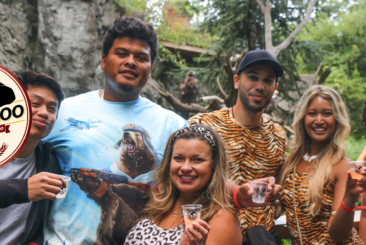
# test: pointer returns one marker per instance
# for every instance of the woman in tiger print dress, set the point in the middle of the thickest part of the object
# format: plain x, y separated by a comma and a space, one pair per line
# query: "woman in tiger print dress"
314, 177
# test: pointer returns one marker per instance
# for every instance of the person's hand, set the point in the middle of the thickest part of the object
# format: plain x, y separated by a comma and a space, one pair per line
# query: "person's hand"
362, 182
44, 185
354, 188
244, 195
196, 234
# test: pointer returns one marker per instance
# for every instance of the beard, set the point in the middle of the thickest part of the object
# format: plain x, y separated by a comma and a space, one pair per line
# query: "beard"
252, 107
125, 88
121, 87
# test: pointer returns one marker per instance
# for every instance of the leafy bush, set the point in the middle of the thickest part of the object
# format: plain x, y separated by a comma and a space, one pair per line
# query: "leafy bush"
355, 146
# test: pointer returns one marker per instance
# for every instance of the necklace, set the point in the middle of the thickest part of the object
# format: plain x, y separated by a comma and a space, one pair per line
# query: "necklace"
172, 213
232, 110
307, 158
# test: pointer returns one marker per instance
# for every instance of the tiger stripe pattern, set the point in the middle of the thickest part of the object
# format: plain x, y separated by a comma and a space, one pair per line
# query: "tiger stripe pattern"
314, 230
253, 153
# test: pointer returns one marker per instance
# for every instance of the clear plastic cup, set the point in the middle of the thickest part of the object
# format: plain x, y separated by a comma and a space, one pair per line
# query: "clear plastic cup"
260, 191
62, 193
356, 168
191, 213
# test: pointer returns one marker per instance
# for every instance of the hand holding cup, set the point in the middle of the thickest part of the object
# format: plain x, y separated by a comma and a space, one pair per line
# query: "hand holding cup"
356, 168
44, 185
195, 234
246, 191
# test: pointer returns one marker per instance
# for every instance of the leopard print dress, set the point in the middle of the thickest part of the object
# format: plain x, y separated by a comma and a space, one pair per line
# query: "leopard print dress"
147, 232
314, 230
253, 153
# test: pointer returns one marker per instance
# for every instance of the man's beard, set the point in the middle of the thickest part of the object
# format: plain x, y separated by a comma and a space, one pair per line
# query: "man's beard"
125, 88
254, 108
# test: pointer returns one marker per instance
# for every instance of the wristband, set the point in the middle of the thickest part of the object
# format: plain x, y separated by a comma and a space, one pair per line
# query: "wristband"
347, 209
235, 201
360, 207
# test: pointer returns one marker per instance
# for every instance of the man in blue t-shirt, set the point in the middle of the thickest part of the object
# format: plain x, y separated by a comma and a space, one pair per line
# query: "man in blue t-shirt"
110, 141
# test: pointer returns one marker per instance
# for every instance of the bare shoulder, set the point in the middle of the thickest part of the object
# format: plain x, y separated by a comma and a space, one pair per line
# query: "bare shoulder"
224, 215
225, 229
339, 170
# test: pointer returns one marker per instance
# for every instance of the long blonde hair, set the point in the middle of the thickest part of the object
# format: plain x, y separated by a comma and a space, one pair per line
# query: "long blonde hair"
330, 155
215, 195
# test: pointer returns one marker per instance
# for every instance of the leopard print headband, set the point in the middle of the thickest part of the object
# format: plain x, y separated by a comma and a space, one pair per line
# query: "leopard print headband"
196, 129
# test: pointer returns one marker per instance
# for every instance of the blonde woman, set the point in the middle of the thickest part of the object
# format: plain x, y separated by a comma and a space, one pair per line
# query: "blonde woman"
318, 194
193, 170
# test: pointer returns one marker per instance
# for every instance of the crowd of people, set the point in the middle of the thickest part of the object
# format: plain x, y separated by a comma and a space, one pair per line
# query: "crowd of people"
133, 164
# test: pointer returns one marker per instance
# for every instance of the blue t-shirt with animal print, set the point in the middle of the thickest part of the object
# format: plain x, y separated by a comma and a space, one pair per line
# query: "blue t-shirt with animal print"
110, 150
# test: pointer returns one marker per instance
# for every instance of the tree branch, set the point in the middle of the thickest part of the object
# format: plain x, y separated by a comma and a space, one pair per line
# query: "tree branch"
177, 105
288, 40
268, 28
213, 98
227, 67
215, 103
324, 76
261, 6
315, 75
245, 51
276, 120
290, 130
220, 89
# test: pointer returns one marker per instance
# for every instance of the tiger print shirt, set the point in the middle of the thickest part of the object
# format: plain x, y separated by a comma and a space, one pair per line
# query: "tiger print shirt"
314, 230
253, 153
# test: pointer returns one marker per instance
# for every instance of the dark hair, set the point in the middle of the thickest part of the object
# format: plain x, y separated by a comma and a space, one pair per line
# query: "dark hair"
363, 119
41, 79
133, 28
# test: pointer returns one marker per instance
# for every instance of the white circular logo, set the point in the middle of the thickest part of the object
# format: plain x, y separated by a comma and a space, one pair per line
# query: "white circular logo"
15, 116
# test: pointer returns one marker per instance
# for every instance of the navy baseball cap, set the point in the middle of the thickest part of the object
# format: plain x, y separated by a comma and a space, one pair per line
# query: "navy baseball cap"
254, 57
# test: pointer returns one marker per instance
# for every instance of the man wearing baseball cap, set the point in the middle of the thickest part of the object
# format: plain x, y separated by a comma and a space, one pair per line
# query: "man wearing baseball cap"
256, 146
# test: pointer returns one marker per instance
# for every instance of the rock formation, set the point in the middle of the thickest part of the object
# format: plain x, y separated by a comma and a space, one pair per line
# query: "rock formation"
58, 37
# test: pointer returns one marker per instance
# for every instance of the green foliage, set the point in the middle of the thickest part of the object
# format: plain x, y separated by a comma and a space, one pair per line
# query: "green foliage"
174, 31
181, 35
355, 146
285, 242
340, 42
166, 55
130, 5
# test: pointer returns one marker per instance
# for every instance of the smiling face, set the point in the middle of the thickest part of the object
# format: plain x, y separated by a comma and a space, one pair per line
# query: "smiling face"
319, 120
256, 85
127, 66
44, 110
191, 165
